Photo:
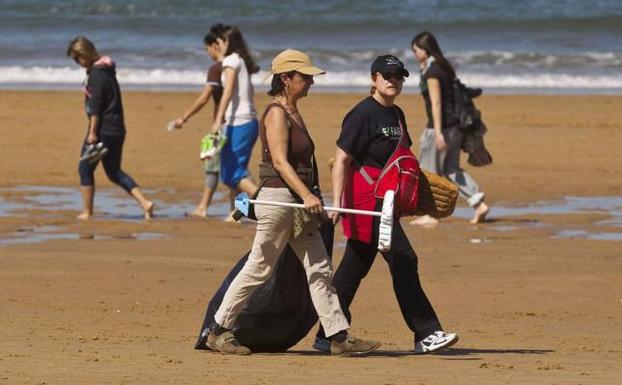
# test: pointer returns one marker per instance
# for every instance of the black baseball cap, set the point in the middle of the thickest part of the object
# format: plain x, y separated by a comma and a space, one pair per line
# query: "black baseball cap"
386, 64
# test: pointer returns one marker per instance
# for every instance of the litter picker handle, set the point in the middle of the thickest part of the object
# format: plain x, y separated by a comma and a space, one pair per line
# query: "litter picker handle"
327, 208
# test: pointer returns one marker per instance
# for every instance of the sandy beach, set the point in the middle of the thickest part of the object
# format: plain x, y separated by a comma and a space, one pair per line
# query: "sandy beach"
533, 303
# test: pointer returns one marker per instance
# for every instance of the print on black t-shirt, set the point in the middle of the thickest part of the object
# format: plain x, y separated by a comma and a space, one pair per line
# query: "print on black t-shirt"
370, 132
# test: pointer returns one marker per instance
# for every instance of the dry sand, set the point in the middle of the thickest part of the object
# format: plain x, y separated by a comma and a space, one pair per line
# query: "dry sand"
530, 308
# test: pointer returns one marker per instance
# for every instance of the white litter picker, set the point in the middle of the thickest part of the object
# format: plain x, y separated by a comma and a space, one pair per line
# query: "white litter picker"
385, 228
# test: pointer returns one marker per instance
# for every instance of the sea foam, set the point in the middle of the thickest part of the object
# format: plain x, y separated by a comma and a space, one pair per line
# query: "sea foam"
68, 77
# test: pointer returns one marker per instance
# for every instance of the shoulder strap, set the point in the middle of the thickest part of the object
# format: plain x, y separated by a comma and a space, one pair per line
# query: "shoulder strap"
262, 123
292, 121
402, 129
269, 107
399, 142
315, 175
278, 105
362, 171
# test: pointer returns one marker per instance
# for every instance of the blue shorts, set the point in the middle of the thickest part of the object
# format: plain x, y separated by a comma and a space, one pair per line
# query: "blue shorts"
236, 154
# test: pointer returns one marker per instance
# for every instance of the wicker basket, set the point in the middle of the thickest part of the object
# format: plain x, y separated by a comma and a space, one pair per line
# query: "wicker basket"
437, 195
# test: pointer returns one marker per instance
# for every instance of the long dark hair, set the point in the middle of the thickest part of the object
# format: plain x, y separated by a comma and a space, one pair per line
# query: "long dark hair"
237, 44
216, 31
427, 42
277, 86
220, 28
210, 38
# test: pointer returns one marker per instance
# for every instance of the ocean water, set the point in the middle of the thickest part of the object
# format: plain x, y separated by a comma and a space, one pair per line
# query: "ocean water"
565, 46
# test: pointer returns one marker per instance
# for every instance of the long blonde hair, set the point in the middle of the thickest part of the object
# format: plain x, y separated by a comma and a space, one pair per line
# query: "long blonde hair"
83, 47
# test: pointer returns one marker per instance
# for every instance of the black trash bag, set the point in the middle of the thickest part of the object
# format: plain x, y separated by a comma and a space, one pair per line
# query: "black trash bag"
280, 312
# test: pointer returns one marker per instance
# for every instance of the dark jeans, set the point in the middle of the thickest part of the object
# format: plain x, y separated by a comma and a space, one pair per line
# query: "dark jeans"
112, 164
414, 304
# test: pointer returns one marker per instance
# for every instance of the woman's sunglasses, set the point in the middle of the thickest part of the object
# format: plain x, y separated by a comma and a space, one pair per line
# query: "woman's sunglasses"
305, 77
392, 75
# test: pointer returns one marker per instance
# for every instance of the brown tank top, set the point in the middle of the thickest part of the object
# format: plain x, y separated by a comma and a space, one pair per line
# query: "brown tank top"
300, 149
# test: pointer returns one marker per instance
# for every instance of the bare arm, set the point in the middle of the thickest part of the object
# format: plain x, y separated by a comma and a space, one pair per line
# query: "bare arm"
277, 133
92, 136
434, 87
227, 94
196, 106
341, 167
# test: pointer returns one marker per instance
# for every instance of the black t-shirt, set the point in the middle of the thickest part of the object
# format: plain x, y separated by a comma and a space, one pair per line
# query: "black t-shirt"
435, 71
370, 132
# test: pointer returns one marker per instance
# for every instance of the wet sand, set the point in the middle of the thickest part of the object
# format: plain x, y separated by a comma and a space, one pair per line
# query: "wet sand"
109, 308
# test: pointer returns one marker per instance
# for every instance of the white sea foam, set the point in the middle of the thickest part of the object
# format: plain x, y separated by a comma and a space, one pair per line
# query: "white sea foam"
546, 61
544, 81
71, 75
43, 77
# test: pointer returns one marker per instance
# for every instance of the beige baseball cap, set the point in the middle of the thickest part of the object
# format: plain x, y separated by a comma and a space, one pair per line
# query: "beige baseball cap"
293, 60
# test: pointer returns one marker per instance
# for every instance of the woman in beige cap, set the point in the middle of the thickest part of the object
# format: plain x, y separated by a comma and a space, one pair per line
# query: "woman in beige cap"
288, 174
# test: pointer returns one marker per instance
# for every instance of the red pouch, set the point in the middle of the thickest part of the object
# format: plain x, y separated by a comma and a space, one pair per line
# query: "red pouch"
400, 174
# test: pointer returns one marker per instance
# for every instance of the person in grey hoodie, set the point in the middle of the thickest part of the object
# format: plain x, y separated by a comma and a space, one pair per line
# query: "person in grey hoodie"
106, 126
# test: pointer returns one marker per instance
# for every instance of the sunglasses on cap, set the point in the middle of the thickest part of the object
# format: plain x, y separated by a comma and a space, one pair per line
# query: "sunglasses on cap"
392, 75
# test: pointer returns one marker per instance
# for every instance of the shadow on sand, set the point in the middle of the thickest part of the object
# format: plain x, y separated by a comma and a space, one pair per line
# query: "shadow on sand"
451, 352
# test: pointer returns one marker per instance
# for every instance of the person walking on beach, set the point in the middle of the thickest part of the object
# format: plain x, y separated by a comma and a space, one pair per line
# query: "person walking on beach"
442, 139
370, 134
237, 110
212, 89
288, 174
106, 126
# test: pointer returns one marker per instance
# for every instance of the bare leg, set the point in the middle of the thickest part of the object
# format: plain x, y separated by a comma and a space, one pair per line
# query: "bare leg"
88, 194
232, 194
246, 185
206, 199
424, 221
481, 211
146, 205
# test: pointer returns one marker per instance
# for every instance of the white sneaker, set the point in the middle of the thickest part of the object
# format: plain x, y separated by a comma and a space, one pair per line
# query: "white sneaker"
437, 340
